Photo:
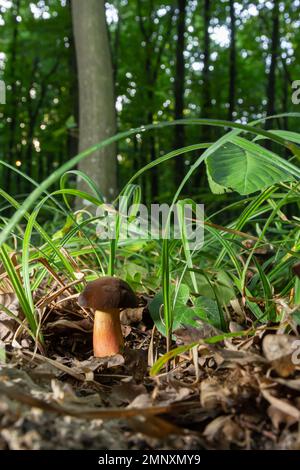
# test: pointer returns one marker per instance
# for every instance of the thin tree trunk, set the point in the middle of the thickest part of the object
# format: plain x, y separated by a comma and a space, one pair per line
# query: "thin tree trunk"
179, 137
97, 117
49, 163
232, 62
152, 144
154, 52
72, 140
200, 179
14, 99
116, 47
206, 61
287, 82
271, 86
33, 114
285, 102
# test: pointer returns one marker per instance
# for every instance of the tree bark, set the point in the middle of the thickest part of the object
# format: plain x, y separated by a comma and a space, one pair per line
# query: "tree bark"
232, 62
153, 57
14, 99
179, 136
33, 114
271, 86
97, 116
200, 179
206, 61
72, 140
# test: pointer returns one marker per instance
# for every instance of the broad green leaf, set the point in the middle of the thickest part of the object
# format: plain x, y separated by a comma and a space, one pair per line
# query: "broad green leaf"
208, 310
215, 284
180, 311
244, 171
215, 187
204, 308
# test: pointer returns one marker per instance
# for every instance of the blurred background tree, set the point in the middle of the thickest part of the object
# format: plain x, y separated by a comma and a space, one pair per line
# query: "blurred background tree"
170, 59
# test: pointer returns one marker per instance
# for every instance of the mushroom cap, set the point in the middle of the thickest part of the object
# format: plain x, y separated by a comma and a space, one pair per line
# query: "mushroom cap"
107, 293
296, 269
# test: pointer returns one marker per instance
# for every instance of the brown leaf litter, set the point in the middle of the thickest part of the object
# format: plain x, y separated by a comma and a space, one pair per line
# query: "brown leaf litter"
241, 393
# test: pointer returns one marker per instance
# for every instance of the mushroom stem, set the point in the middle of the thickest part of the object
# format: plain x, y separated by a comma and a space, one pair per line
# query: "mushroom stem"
107, 336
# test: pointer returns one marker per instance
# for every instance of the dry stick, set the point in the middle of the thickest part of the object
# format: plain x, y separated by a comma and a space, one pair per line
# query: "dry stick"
70, 297
49, 298
230, 230
45, 263
65, 369
151, 358
88, 413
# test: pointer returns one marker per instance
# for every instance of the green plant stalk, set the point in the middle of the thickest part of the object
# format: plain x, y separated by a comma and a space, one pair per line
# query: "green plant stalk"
168, 310
16, 282
186, 347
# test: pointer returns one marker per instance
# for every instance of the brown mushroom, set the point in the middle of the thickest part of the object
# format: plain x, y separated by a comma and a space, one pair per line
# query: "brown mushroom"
296, 269
107, 296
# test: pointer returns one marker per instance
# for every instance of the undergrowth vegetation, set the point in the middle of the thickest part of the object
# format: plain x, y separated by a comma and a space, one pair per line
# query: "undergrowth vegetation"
241, 277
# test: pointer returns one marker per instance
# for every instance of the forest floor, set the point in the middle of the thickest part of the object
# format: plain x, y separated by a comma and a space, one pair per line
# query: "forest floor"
242, 393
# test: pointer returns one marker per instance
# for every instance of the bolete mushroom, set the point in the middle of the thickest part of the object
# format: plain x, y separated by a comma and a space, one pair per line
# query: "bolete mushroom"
107, 296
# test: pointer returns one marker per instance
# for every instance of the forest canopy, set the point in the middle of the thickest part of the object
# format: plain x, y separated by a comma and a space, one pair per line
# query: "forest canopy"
234, 60
150, 230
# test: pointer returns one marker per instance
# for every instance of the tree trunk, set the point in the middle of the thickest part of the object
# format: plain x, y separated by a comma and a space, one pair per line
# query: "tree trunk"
97, 117
271, 87
33, 114
206, 82
115, 46
232, 62
14, 100
179, 89
200, 178
72, 140
153, 56
154, 180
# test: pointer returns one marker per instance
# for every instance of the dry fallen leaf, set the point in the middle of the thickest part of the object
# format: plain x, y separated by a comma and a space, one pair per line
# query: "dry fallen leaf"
94, 363
137, 363
240, 357
282, 405
131, 315
84, 325
213, 394
126, 392
9, 300
171, 394
17, 393
294, 384
278, 417
215, 426
189, 334
278, 349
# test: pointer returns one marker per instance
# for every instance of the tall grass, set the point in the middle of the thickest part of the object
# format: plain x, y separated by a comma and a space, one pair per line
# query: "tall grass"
223, 246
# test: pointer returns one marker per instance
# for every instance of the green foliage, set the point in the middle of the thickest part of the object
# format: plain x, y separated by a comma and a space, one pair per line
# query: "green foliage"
254, 171
204, 308
16, 282
39, 88
246, 170
40, 74
213, 287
